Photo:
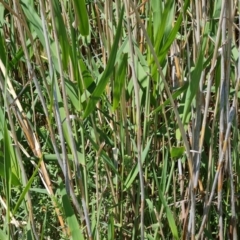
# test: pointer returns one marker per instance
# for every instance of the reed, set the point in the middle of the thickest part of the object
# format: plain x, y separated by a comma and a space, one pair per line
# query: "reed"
119, 119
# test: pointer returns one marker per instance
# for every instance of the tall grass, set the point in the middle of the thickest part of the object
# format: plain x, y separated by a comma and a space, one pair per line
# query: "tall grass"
119, 119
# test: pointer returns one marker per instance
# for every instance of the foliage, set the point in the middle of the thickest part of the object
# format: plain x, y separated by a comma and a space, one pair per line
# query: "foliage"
119, 119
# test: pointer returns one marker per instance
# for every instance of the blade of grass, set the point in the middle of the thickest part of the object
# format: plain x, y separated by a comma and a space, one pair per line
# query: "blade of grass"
135, 170
71, 219
107, 73
119, 82
82, 16
193, 85
169, 214
26, 189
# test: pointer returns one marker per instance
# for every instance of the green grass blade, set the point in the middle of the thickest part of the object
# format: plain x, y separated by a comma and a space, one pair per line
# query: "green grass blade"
134, 172
165, 173
177, 152
71, 90
3, 235
108, 71
71, 219
88, 82
165, 24
2, 48
44, 225
175, 94
62, 34
119, 82
26, 189
170, 217
169, 214
82, 14
193, 85
34, 21
14, 179
111, 228
7, 147
157, 8
170, 38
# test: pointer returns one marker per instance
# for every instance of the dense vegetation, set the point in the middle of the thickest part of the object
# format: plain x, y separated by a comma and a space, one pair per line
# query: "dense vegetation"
119, 119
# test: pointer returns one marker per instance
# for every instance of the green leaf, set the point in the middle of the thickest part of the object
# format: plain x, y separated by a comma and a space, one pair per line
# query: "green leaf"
39, 190
217, 8
3, 235
107, 160
170, 217
6, 145
134, 172
34, 21
175, 94
171, 37
53, 157
165, 24
156, 7
71, 219
119, 82
27, 187
82, 15
111, 228
165, 172
193, 85
88, 82
71, 89
2, 49
177, 152
169, 214
107, 73
62, 34
44, 225
15, 181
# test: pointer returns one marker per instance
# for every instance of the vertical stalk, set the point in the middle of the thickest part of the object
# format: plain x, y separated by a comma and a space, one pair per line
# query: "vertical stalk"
138, 118
222, 120
196, 124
